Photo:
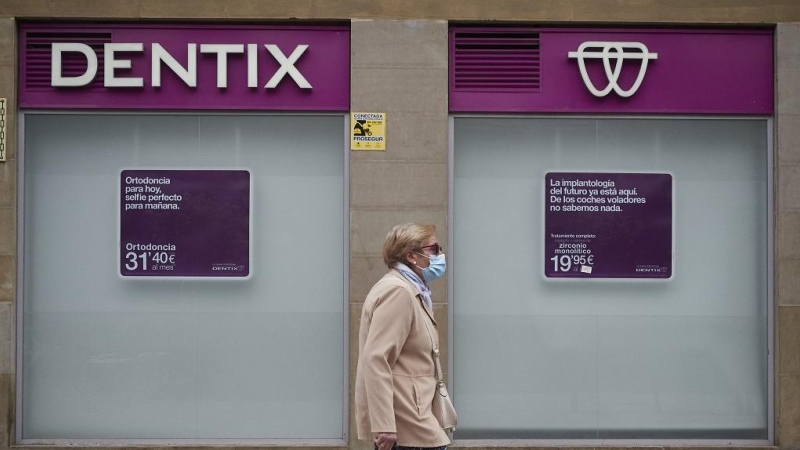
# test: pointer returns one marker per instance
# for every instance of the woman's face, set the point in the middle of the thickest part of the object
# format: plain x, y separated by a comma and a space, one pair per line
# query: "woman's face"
429, 248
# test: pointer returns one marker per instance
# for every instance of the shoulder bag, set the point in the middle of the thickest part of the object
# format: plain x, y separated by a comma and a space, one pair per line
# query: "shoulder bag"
442, 406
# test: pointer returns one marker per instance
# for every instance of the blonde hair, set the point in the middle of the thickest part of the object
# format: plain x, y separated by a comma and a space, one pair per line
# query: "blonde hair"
403, 239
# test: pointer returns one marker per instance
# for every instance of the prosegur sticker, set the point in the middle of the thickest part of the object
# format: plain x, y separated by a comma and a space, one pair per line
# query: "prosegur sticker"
368, 131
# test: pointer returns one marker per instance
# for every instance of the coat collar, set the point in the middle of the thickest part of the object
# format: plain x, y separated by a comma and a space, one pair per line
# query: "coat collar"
418, 295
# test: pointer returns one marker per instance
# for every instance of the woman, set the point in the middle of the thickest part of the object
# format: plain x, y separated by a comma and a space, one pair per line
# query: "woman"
395, 378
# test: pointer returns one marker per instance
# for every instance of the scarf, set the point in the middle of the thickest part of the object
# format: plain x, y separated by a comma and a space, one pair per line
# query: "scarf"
417, 282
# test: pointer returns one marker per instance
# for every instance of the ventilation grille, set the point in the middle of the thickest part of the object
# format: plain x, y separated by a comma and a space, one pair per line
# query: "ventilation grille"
496, 62
38, 47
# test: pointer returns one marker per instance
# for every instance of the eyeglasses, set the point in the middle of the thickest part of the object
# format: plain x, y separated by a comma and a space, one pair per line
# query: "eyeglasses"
435, 248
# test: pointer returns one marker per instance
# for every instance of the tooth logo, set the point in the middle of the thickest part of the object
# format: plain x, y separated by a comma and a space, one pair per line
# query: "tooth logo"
618, 52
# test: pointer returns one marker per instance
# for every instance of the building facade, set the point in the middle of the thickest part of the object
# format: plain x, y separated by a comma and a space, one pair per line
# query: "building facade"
615, 184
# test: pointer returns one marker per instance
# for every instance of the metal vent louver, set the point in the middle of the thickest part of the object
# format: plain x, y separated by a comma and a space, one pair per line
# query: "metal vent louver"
496, 61
38, 45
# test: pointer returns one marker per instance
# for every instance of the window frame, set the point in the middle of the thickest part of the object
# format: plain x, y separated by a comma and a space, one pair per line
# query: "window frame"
770, 284
19, 297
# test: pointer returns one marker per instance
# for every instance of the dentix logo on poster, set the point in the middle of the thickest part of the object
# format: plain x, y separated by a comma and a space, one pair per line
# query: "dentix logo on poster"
112, 60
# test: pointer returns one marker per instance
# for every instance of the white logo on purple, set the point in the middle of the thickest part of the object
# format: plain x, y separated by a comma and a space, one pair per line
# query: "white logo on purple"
618, 52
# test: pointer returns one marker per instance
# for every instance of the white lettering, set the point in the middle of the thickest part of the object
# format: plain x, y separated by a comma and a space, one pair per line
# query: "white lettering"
287, 66
188, 74
56, 76
160, 57
222, 51
252, 65
112, 63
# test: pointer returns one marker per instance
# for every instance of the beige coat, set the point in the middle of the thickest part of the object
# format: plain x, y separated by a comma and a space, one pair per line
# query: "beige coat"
395, 380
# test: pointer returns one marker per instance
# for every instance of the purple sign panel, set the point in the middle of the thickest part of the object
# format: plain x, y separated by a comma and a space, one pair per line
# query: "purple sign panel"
184, 223
632, 71
184, 67
608, 225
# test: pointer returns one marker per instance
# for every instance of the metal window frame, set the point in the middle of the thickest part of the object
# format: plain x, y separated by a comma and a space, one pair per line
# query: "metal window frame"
20, 264
770, 283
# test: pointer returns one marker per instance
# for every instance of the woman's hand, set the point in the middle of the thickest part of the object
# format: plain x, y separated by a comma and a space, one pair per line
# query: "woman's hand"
385, 441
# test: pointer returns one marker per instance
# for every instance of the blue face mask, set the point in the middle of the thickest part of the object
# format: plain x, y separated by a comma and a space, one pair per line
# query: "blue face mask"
436, 269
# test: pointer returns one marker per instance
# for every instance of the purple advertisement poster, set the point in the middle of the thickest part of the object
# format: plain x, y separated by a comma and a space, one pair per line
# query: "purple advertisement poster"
608, 225
184, 223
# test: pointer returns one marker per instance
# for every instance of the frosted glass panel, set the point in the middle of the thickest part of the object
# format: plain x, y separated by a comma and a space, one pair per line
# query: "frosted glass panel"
679, 359
106, 357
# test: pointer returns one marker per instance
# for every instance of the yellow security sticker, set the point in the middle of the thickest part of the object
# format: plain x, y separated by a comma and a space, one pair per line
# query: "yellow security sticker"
368, 131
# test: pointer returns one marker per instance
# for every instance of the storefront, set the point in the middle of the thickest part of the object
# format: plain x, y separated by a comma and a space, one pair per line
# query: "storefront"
629, 198
196, 157
189, 224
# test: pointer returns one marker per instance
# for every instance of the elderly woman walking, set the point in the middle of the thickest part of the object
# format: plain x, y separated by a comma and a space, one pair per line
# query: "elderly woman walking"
396, 377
